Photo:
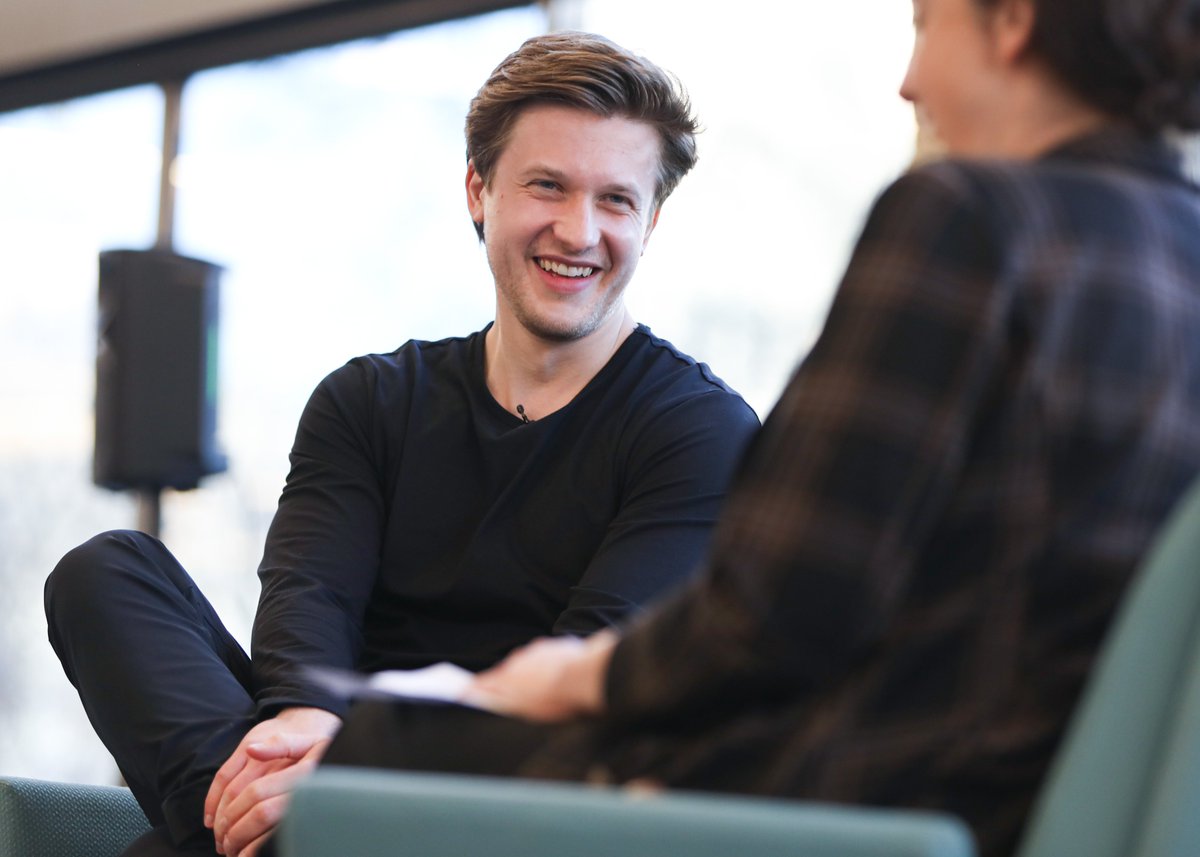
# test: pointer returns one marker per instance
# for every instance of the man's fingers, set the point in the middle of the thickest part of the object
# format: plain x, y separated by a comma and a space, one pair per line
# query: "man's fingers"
252, 849
287, 737
272, 754
232, 767
225, 817
243, 790
271, 780
246, 836
259, 806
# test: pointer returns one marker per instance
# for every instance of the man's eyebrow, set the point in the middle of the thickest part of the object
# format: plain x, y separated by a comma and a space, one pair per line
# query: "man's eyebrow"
544, 171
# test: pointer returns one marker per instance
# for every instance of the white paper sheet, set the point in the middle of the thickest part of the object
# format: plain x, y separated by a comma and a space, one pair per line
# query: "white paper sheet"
443, 682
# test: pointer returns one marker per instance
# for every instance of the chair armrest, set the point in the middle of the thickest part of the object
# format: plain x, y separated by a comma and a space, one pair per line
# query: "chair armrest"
47, 819
372, 813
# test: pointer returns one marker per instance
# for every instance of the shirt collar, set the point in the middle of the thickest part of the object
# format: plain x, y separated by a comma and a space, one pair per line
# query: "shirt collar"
1125, 148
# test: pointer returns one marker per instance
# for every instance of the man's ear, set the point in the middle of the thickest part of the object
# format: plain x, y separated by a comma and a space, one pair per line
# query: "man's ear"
650, 227
1011, 28
475, 188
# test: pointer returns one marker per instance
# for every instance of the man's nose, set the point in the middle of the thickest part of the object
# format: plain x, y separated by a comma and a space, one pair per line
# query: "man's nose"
577, 226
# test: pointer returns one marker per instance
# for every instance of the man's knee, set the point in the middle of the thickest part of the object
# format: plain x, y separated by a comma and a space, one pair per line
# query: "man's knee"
86, 573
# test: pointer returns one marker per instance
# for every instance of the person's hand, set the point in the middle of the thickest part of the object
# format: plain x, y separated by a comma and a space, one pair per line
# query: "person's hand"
251, 790
550, 679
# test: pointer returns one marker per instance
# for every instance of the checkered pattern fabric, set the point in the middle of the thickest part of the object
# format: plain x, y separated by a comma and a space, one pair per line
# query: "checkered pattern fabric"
927, 541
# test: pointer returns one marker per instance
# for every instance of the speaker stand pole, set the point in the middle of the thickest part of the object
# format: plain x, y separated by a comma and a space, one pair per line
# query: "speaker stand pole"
149, 511
149, 500
172, 105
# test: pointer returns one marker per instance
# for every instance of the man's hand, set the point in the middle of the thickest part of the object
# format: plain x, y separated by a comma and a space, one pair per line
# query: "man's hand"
551, 679
250, 791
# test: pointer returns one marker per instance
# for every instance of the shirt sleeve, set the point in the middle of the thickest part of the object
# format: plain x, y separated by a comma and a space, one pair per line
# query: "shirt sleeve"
844, 483
677, 478
322, 550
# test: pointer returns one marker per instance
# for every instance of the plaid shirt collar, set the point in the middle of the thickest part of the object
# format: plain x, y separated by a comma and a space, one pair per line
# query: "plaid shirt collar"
1124, 147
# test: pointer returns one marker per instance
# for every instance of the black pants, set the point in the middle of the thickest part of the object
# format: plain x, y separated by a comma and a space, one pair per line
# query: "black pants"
167, 689
164, 684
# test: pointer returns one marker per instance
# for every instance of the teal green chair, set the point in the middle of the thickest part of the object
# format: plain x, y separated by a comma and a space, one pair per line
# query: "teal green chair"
46, 819
384, 814
1126, 782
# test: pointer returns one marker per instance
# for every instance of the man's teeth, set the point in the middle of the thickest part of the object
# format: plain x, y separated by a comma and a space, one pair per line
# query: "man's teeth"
564, 270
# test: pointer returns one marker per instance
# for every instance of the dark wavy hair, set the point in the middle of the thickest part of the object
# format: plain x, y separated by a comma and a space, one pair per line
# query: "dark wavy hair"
591, 73
1135, 60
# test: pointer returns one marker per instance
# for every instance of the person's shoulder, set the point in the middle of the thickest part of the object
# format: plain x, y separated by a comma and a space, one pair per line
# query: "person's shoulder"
972, 175
1021, 188
951, 205
982, 181
952, 182
660, 358
374, 388
450, 353
667, 377
379, 383
1048, 204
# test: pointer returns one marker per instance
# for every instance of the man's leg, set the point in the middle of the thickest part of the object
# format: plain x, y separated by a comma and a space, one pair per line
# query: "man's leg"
161, 679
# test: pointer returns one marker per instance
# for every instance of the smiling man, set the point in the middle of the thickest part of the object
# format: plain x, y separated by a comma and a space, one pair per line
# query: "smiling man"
448, 501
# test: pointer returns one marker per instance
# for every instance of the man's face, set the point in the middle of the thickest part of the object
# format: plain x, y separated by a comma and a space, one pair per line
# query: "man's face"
567, 213
952, 77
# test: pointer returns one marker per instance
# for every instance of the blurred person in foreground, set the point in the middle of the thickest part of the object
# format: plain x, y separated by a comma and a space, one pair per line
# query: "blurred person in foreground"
448, 501
927, 541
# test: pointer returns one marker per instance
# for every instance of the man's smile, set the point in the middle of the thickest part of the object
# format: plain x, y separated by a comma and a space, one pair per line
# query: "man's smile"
564, 270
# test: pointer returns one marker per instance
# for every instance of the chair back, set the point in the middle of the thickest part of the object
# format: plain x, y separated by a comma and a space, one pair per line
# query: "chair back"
39, 818
369, 813
1126, 782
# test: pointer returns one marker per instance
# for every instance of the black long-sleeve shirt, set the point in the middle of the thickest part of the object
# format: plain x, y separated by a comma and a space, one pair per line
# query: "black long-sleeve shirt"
422, 522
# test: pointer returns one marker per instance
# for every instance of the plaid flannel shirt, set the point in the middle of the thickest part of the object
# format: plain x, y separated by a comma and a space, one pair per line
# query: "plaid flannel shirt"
929, 537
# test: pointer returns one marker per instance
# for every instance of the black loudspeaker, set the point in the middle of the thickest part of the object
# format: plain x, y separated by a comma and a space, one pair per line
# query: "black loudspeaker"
156, 371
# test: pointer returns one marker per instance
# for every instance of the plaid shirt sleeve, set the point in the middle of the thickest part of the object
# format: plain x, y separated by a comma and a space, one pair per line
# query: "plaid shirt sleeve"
826, 520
